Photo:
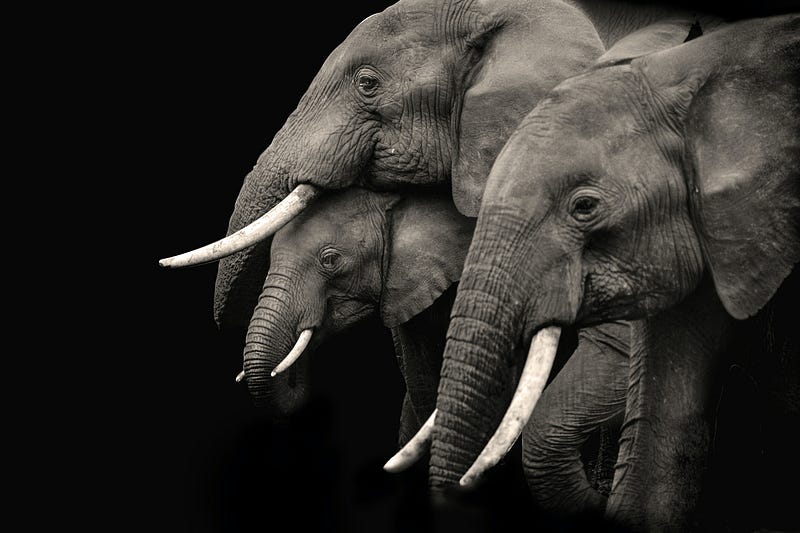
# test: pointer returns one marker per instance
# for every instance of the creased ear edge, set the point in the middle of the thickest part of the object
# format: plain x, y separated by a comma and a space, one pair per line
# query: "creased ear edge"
424, 294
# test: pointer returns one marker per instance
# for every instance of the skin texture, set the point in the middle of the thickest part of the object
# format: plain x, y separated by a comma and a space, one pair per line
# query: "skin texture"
587, 393
353, 254
424, 93
661, 189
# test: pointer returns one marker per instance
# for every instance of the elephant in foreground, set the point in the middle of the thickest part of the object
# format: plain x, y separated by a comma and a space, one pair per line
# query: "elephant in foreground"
422, 94
659, 188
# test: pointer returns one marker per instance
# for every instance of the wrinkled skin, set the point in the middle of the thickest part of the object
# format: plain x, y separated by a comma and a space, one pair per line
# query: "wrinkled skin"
664, 190
424, 93
587, 393
353, 254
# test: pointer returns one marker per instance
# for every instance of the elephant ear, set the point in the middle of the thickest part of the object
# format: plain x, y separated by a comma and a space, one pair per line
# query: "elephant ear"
522, 50
653, 38
740, 107
426, 245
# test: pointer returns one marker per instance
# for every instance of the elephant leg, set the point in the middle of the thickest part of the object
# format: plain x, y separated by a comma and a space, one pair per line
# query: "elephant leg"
588, 391
675, 373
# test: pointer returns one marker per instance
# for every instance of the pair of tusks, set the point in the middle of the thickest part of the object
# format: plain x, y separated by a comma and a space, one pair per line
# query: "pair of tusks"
294, 354
258, 230
534, 376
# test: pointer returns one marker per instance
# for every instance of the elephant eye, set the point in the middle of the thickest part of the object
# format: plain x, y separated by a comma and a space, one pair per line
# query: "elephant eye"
584, 207
367, 84
329, 259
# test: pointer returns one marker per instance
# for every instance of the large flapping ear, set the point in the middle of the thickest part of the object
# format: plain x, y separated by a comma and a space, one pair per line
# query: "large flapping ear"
653, 38
523, 50
739, 96
426, 244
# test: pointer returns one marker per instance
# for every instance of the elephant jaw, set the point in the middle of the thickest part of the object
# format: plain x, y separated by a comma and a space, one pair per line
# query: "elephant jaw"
533, 379
258, 230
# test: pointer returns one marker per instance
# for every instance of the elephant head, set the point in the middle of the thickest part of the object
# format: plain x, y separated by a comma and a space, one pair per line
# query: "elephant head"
351, 254
419, 94
662, 189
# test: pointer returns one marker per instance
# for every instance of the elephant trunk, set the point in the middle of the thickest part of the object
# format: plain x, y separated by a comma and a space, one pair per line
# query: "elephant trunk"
493, 315
271, 336
475, 384
240, 276
478, 369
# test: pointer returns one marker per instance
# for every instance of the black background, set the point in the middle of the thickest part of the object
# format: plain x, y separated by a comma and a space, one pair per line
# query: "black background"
176, 444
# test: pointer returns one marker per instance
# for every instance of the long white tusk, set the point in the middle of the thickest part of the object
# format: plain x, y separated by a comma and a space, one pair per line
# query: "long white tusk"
300, 345
414, 449
256, 231
531, 384
240, 376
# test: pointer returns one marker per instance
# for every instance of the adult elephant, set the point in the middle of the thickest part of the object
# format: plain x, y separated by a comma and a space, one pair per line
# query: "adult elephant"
662, 189
424, 93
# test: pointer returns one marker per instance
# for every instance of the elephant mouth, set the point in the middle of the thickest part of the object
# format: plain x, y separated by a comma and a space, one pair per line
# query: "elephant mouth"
532, 381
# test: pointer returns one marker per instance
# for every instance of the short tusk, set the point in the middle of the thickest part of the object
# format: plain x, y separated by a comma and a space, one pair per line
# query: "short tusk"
414, 449
531, 384
297, 351
258, 230
240, 376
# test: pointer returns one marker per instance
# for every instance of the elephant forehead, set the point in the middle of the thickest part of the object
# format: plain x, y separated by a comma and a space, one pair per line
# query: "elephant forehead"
404, 18
338, 217
597, 104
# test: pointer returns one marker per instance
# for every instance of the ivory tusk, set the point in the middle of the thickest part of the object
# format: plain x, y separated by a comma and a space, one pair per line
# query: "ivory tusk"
531, 384
240, 376
300, 345
258, 230
414, 448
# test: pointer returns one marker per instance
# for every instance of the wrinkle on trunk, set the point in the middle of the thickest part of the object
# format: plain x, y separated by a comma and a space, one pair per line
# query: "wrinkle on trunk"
241, 275
476, 383
493, 316
270, 337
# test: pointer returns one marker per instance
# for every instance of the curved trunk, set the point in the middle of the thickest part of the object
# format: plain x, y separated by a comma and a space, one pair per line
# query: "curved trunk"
270, 337
589, 391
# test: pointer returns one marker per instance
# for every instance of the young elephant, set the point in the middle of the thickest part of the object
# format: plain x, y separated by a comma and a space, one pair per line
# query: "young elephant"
662, 189
355, 253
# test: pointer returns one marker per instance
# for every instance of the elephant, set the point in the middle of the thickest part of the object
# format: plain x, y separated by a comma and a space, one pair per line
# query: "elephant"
422, 94
660, 188
353, 254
